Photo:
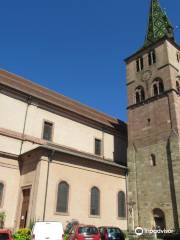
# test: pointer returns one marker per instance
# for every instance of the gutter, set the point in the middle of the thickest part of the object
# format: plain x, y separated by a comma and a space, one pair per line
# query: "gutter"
47, 183
25, 120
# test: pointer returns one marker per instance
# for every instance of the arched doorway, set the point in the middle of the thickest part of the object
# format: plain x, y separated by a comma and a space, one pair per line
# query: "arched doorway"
159, 219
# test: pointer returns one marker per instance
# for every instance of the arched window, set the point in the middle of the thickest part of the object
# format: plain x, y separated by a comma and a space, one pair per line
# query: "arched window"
178, 57
155, 90
178, 84
1, 193
140, 95
153, 160
121, 205
62, 197
161, 87
95, 201
158, 87
152, 57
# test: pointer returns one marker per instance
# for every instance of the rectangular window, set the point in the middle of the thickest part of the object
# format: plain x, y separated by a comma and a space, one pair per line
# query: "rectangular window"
98, 144
1, 193
139, 64
149, 59
178, 57
152, 58
47, 131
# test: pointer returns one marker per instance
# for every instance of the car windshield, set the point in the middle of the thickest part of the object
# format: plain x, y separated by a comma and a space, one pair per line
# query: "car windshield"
88, 230
4, 236
113, 230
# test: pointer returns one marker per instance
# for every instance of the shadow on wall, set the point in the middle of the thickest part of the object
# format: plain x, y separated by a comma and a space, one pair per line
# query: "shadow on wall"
121, 144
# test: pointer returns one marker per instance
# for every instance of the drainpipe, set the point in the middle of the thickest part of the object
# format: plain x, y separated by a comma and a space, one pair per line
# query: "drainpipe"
50, 157
103, 144
25, 120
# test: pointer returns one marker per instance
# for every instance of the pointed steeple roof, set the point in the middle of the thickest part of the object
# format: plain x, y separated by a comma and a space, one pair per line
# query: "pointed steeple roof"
159, 25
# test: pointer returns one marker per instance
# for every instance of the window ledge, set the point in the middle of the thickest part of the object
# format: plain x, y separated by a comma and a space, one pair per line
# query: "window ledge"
62, 213
122, 218
94, 216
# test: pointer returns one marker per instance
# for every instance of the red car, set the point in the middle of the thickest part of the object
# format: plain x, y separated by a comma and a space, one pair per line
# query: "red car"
84, 232
5, 234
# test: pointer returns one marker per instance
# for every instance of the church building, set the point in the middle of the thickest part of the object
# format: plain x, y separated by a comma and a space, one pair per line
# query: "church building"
61, 160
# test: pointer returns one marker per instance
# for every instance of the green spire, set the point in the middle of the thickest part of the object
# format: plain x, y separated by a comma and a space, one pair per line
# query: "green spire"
159, 25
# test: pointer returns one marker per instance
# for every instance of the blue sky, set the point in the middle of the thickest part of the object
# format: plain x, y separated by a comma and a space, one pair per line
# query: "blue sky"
77, 47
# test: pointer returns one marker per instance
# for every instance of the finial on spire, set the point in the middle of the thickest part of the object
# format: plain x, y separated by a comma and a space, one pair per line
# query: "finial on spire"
159, 25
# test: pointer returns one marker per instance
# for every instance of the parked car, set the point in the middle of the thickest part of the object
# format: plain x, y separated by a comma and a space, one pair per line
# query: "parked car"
5, 234
111, 233
47, 230
70, 224
84, 232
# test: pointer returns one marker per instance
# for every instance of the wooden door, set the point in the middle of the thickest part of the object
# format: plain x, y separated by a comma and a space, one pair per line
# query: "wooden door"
159, 219
25, 207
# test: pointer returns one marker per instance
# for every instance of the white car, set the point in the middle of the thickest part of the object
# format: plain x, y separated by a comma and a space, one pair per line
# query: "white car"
47, 231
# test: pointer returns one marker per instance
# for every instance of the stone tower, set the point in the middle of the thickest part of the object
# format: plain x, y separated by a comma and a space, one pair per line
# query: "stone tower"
153, 82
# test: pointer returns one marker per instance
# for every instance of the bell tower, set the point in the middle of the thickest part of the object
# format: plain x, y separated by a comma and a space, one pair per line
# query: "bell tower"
153, 83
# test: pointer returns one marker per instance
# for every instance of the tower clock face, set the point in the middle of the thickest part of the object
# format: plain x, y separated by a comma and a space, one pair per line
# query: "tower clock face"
146, 75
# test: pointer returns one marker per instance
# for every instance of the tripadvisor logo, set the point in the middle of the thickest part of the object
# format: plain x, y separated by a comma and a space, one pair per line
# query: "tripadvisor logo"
139, 231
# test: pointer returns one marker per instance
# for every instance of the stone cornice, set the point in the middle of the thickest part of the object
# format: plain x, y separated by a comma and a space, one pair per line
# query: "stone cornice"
150, 47
9, 155
73, 152
42, 143
20, 136
151, 99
